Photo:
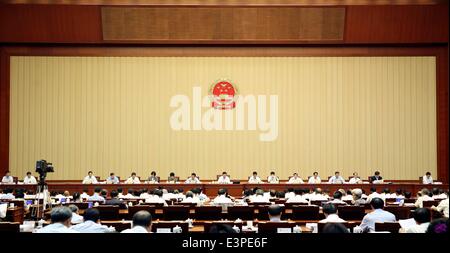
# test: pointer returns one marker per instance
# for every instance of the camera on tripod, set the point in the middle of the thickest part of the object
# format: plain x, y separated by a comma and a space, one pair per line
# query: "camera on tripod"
43, 167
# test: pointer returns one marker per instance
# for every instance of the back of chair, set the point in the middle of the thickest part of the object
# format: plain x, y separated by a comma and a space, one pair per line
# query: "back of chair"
321, 225
263, 213
209, 224
291, 204
305, 213
318, 202
400, 212
351, 212
108, 212
392, 227
176, 213
134, 209
118, 225
80, 205
410, 201
241, 212
171, 224
10, 227
430, 203
208, 212
272, 227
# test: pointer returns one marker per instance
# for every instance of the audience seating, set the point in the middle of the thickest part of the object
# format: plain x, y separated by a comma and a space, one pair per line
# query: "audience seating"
207, 225
272, 227
108, 212
10, 227
80, 205
241, 212
430, 203
263, 213
305, 213
349, 225
134, 209
290, 205
392, 227
351, 212
176, 213
170, 224
400, 212
317, 202
208, 213
118, 225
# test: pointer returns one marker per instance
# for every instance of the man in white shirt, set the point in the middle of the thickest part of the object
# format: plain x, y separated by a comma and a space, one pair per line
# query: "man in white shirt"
422, 216
8, 194
90, 179
355, 179
315, 179
330, 212
222, 198
336, 179
29, 179
422, 196
112, 179
298, 197
259, 197
377, 215
91, 223
442, 207
193, 179
427, 179
60, 217
76, 218
295, 179
8, 179
96, 196
373, 194
85, 194
275, 212
133, 179
317, 195
337, 198
224, 179
254, 179
273, 179
157, 198
142, 223
190, 198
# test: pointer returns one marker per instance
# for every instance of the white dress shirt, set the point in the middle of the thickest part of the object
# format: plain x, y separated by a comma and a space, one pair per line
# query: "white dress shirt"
273, 180
7, 196
355, 180
191, 180
254, 180
90, 180
418, 228
135, 229
76, 218
29, 180
421, 199
224, 180
7, 180
259, 199
132, 180
84, 195
377, 215
112, 180
313, 180
295, 180
336, 180
297, 199
443, 207
332, 218
96, 197
222, 199
372, 196
92, 227
427, 180
56, 228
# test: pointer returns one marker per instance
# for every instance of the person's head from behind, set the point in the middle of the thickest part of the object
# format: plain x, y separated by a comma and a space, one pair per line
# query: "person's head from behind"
386, 191
144, 219
189, 194
61, 215
425, 192
357, 194
377, 203
398, 192
298, 191
260, 192
104, 193
158, 193
275, 211
335, 228
438, 226
435, 191
222, 192
221, 229
337, 195
408, 195
91, 214
318, 190
114, 194
73, 208
76, 196
422, 215
373, 189
97, 190
273, 193
329, 209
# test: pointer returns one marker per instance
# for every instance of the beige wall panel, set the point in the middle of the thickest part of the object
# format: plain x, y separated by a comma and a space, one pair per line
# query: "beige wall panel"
335, 113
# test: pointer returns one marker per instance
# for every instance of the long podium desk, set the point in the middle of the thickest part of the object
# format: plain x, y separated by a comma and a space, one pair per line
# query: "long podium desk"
234, 190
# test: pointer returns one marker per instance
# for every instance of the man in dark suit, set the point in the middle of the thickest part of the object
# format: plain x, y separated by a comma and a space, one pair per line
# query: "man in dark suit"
115, 201
376, 177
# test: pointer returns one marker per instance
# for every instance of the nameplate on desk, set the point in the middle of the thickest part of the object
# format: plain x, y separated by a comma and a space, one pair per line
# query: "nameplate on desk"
163, 230
284, 230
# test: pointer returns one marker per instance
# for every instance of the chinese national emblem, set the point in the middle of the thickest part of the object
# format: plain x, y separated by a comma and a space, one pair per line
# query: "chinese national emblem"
223, 95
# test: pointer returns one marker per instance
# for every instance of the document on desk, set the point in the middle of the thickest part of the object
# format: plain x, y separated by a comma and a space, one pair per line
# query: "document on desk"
407, 223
